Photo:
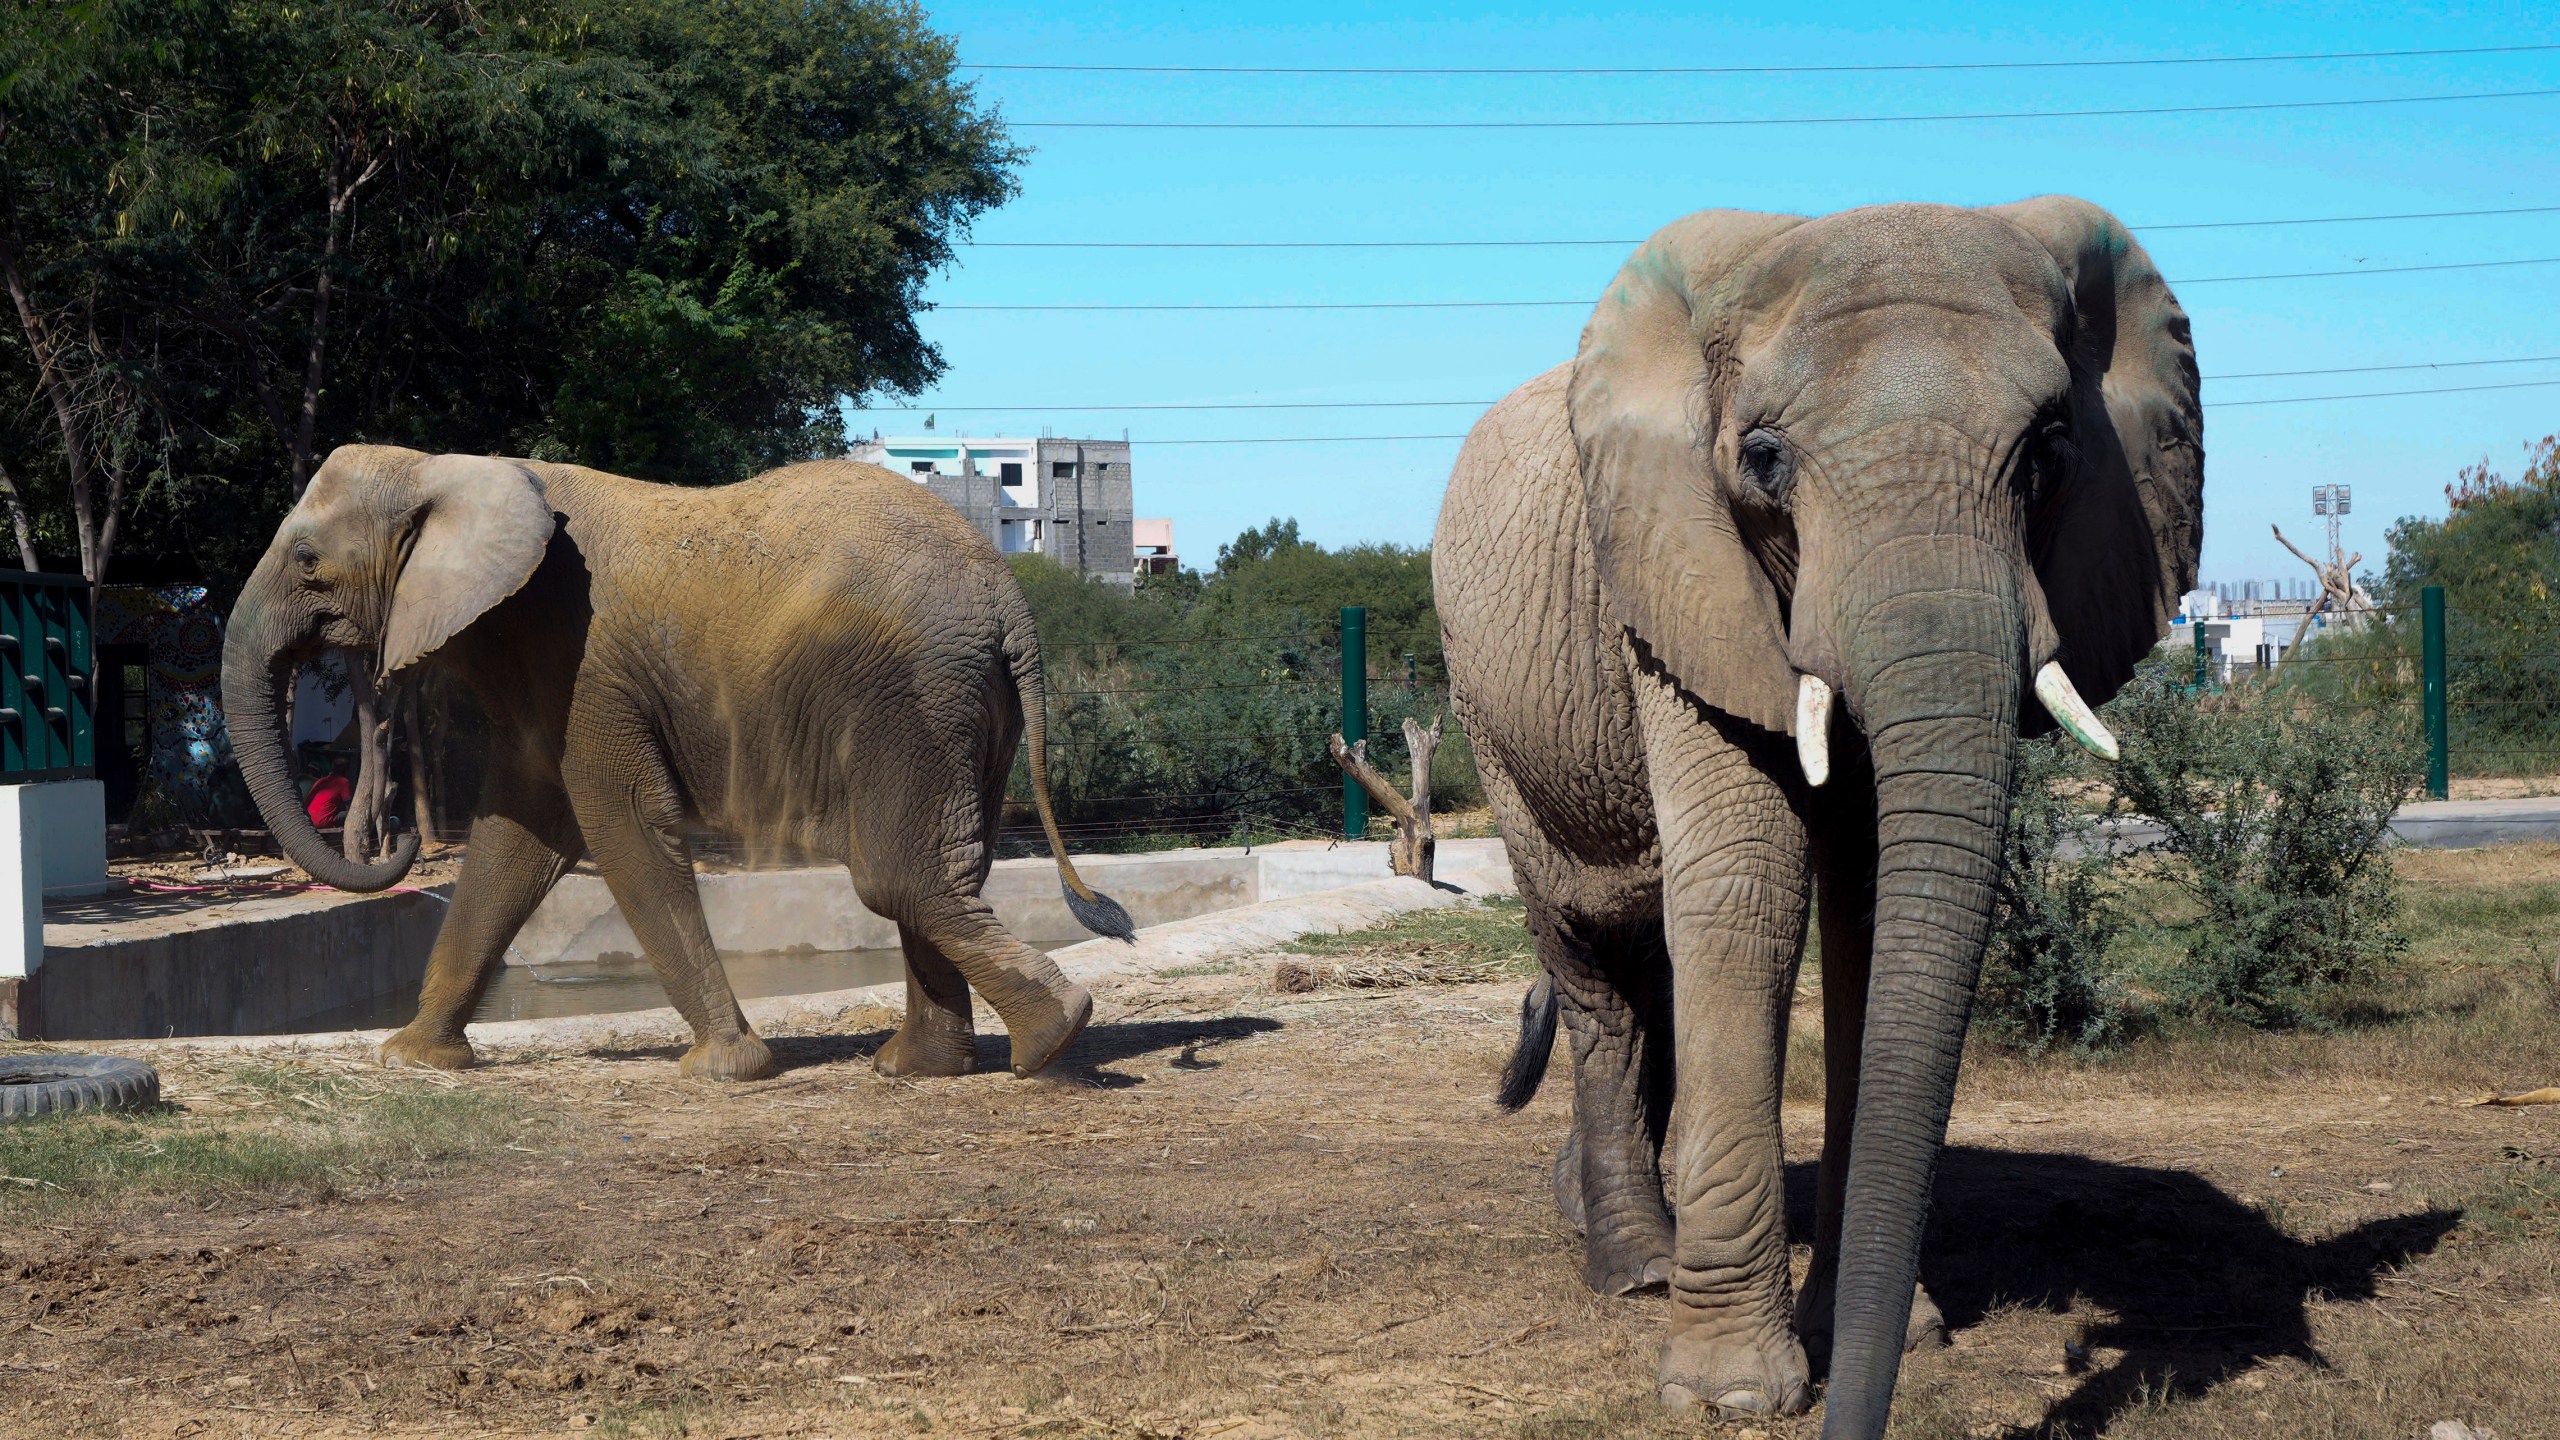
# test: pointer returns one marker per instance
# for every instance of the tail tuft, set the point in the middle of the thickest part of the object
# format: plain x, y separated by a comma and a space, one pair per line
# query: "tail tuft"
1100, 914
1528, 1067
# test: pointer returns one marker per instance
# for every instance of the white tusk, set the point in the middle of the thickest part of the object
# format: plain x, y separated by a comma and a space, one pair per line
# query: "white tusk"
1813, 728
2065, 705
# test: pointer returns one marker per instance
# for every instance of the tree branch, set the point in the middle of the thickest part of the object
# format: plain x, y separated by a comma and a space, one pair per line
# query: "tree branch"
18, 518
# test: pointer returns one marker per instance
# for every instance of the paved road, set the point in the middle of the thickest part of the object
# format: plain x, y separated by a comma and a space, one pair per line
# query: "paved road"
2437, 824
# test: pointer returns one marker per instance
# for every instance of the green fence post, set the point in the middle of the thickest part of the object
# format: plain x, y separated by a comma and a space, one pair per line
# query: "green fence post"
1355, 714
2204, 658
2431, 643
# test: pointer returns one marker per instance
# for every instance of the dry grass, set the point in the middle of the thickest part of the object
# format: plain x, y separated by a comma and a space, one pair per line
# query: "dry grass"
1248, 1215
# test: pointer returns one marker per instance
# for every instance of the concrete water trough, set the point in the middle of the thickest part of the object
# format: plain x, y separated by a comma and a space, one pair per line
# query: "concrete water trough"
158, 965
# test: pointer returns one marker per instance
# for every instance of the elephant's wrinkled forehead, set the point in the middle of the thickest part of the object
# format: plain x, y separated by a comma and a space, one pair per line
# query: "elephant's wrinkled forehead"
1857, 263
1923, 309
353, 471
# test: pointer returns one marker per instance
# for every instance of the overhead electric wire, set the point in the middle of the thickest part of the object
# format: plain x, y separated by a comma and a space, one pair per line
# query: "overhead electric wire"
939, 407
1908, 68
1561, 244
1763, 121
2210, 405
1215, 306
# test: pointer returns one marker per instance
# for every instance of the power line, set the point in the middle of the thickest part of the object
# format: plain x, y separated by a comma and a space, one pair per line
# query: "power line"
1905, 69
2383, 394
2378, 369
2365, 270
1624, 244
1480, 404
1758, 121
1220, 306
2210, 405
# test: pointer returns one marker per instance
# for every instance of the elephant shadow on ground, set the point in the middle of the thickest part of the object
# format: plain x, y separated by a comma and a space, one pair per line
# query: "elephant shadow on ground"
1088, 1061
2201, 1287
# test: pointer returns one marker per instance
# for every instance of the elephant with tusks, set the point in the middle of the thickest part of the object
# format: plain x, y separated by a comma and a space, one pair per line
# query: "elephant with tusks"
1746, 610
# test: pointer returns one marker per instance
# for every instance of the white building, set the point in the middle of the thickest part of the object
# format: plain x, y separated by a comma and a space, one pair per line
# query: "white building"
1069, 500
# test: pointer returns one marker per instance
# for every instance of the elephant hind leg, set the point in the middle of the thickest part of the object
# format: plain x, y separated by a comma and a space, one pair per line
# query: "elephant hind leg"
939, 1036
1609, 1177
1043, 1011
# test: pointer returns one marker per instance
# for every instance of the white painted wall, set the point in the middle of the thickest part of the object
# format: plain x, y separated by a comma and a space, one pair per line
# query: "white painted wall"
53, 840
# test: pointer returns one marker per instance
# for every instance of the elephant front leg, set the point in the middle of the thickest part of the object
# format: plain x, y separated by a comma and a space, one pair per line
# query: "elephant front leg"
1734, 900
1609, 1178
649, 867
514, 860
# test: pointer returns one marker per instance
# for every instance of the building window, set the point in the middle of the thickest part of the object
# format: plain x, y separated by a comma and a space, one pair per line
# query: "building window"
1102, 465
1062, 470
1009, 472
921, 467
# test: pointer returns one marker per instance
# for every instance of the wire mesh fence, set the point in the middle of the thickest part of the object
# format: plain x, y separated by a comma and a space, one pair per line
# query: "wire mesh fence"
2500, 673
1221, 739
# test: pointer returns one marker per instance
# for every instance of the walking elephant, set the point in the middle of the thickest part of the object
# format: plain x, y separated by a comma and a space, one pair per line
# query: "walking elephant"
1938, 471
825, 656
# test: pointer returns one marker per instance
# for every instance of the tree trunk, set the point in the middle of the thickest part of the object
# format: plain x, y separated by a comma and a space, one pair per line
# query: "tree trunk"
1413, 850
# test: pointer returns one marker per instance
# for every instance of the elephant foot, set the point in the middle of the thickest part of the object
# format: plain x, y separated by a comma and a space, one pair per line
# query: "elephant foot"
1624, 1254
1568, 1179
1042, 1030
1928, 1327
730, 1057
1734, 1376
1627, 1271
926, 1050
412, 1048
1926, 1331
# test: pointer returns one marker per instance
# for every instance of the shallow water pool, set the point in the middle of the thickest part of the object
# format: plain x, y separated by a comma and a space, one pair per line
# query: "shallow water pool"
616, 984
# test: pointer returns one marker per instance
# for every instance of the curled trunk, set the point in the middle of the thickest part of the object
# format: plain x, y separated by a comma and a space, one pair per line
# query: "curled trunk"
1939, 687
255, 673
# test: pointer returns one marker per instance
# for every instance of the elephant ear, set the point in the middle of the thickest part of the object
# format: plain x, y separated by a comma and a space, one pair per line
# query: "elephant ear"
1672, 558
478, 527
2115, 547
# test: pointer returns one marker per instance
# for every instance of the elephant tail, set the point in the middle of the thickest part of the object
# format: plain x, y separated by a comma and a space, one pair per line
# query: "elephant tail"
1528, 1065
1093, 910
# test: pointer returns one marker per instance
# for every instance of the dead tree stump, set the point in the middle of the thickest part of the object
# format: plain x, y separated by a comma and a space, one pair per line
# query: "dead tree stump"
1411, 852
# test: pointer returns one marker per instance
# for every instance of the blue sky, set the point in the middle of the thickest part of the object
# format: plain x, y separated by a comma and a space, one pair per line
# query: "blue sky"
1140, 185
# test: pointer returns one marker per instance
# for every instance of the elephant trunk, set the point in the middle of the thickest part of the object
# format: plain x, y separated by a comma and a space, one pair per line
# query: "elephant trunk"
256, 669
1934, 671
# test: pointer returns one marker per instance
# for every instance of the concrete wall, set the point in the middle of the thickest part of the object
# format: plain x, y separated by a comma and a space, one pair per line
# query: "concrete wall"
53, 841
780, 909
116, 971
136, 965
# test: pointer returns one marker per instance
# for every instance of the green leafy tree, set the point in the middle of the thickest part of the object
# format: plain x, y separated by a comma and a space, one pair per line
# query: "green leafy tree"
1199, 705
2496, 552
651, 235
2048, 978
2276, 814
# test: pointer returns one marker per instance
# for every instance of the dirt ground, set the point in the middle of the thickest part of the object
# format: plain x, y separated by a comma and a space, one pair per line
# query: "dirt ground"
1239, 1213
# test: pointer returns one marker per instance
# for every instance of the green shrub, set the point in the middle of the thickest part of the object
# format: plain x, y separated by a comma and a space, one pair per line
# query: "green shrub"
2046, 976
2275, 818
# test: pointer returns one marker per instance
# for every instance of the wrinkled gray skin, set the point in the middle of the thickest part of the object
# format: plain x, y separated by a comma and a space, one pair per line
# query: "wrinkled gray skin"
1916, 452
825, 657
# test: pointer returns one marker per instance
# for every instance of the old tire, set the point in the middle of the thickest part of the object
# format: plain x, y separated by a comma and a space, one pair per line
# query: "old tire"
33, 1085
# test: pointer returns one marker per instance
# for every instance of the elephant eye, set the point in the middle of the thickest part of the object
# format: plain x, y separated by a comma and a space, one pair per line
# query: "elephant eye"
305, 556
2055, 454
1768, 464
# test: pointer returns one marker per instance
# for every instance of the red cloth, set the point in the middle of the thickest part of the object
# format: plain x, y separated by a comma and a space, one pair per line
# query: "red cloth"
329, 800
